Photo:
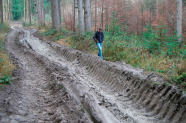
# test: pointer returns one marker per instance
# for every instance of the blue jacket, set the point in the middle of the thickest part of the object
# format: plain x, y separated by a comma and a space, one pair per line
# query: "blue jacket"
99, 36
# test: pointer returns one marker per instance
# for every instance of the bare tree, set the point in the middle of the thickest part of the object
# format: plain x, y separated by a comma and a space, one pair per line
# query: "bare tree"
106, 17
4, 11
102, 10
37, 12
59, 5
56, 20
1, 10
42, 13
29, 11
142, 14
8, 10
179, 19
74, 28
95, 14
157, 9
25, 8
81, 18
88, 25
39, 5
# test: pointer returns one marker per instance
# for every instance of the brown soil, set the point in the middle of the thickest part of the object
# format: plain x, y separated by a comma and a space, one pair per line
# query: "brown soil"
57, 84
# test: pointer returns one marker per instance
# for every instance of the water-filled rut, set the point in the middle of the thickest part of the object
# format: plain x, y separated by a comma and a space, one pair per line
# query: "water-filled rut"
58, 84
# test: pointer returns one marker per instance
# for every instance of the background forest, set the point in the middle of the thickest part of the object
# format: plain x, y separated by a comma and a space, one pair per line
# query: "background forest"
149, 34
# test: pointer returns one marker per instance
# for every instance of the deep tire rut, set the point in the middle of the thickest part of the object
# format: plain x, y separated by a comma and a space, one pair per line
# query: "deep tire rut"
35, 96
59, 84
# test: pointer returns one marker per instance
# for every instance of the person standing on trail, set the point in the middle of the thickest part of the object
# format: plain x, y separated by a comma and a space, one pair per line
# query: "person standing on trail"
99, 39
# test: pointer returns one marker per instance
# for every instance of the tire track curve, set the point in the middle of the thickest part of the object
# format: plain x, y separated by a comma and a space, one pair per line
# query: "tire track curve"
108, 92
35, 97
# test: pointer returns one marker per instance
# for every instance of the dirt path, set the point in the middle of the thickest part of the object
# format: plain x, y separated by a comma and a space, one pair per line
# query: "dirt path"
35, 96
58, 84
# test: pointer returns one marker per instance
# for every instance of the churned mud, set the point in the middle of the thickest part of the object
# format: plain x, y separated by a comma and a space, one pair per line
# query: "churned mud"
54, 83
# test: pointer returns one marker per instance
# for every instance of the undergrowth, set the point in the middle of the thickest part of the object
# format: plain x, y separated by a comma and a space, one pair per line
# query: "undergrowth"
6, 67
54, 34
153, 50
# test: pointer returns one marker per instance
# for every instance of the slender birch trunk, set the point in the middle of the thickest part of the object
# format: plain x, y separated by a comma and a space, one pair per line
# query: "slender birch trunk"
29, 11
74, 26
81, 18
38, 12
179, 19
88, 26
25, 7
42, 13
1, 11
95, 15
56, 20
102, 23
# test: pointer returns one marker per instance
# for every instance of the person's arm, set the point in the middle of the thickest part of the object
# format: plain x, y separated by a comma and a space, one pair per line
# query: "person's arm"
95, 34
103, 37
95, 39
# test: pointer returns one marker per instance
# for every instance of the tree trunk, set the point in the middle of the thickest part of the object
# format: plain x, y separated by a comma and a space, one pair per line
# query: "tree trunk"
60, 4
25, 7
29, 11
142, 15
157, 8
1, 10
38, 14
74, 27
95, 15
36, 11
150, 10
5, 2
8, 11
42, 12
56, 20
102, 14
4, 11
179, 19
88, 25
81, 18
106, 18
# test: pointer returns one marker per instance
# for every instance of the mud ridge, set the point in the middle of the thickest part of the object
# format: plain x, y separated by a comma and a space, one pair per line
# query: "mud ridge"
105, 91
165, 102
35, 96
88, 104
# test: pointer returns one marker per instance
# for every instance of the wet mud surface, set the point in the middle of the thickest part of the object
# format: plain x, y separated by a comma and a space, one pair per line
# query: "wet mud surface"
54, 84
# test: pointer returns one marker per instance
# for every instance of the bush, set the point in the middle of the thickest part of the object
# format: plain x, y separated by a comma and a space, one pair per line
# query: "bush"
83, 42
181, 78
26, 24
56, 35
5, 79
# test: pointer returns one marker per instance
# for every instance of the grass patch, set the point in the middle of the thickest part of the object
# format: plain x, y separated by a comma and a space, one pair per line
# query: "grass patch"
54, 34
61, 37
6, 67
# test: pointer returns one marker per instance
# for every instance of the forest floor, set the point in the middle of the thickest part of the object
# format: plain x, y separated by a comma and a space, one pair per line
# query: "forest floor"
54, 83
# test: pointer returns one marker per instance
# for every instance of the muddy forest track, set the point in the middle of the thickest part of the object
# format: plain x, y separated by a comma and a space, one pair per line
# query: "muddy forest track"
58, 84
35, 96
